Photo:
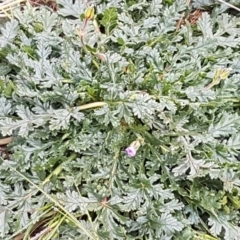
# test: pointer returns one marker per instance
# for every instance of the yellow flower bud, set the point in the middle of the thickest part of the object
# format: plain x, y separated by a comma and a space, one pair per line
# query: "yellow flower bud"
221, 74
133, 96
89, 13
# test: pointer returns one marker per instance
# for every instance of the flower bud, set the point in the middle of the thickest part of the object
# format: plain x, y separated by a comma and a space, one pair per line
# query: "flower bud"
221, 74
89, 13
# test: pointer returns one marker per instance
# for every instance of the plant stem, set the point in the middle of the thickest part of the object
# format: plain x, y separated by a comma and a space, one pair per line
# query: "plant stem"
58, 170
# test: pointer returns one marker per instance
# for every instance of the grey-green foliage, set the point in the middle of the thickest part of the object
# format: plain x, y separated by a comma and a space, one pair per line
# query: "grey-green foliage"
149, 80
209, 3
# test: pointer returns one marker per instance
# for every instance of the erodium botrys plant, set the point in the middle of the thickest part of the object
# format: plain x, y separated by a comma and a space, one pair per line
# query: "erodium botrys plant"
124, 126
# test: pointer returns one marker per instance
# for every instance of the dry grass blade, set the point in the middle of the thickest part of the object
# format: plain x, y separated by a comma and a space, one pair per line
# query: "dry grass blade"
7, 6
5, 141
59, 206
229, 5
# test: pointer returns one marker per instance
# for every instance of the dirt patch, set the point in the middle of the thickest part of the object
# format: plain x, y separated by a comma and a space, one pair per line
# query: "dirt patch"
49, 3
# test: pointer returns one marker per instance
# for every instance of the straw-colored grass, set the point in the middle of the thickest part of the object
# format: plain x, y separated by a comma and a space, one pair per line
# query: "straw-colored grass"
7, 6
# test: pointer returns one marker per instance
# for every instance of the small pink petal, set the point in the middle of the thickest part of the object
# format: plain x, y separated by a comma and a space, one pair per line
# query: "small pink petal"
131, 151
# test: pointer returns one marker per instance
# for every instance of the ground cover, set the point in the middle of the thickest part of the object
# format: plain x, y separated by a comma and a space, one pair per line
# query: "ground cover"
120, 120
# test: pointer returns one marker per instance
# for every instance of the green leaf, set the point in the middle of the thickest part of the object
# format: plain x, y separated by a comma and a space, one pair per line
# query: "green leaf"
73, 201
230, 179
109, 20
4, 224
173, 205
133, 199
9, 33
4, 69
6, 107
43, 51
109, 220
204, 23
225, 126
73, 101
221, 222
169, 224
71, 9
234, 141
49, 20
194, 165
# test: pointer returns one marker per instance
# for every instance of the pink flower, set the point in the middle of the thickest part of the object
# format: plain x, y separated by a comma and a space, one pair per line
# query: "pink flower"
131, 151
134, 146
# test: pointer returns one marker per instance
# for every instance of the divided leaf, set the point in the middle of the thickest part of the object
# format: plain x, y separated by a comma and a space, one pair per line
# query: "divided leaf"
110, 17
9, 33
227, 125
